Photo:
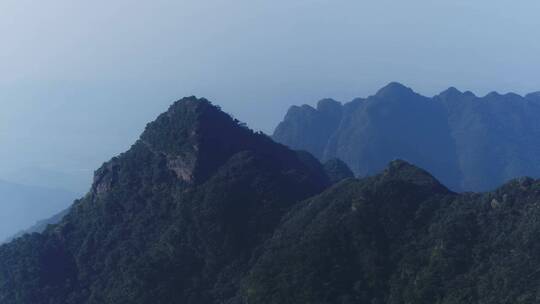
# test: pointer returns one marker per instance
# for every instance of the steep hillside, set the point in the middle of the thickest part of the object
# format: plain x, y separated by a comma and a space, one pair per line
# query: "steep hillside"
401, 237
203, 210
178, 216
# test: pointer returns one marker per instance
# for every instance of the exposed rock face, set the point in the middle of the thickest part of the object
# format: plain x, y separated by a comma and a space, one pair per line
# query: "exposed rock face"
104, 179
495, 203
468, 142
184, 169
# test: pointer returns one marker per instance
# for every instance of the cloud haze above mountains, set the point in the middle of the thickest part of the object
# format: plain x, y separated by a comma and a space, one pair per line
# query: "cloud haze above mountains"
80, 79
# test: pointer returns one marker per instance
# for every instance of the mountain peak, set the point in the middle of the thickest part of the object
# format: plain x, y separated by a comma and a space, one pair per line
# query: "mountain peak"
179, 121
451, 92
331, 109
493, 94
328, 103
193, 137
401, 170
469, 94
181, 134
189, 106
394, 89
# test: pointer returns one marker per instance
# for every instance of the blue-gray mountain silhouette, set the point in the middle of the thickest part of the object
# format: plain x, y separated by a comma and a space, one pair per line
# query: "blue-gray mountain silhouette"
22, 205
466, 141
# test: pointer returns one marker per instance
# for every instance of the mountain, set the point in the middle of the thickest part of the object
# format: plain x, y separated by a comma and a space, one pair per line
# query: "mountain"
21, 206
402, 237
337, 170
470, 143
40, 225
203, 210
180, 215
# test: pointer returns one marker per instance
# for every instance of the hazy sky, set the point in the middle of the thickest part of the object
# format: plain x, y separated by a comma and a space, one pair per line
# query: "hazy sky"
79, 79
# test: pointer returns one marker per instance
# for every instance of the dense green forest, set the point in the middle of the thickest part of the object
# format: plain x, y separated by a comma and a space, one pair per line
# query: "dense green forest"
203, 210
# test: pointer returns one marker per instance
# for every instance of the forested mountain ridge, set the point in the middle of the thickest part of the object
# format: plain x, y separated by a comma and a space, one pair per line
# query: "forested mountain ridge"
402, 237
470, 143
178, 216
203, 210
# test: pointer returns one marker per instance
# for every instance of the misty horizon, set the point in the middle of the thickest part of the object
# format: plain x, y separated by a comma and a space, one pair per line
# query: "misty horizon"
70, 176
81, 80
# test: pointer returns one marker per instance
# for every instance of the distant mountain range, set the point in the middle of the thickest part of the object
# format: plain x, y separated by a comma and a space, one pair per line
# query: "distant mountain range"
203, 210
468, 142
73, 182
39, 226
21, 206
